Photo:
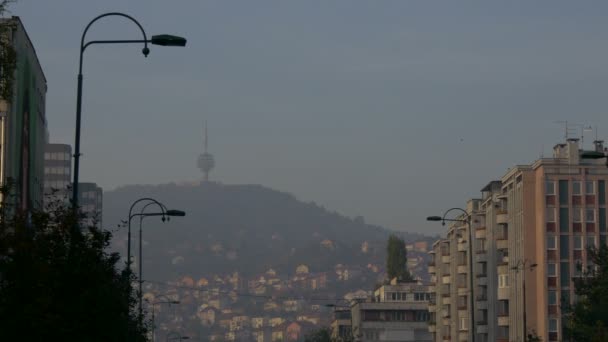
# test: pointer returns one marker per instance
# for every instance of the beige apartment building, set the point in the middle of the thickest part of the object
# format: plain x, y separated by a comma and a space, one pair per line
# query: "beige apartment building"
531, 230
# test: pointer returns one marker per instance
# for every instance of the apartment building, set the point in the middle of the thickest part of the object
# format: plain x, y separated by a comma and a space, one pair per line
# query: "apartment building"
396, 312
531, 232
450, 302
90, 198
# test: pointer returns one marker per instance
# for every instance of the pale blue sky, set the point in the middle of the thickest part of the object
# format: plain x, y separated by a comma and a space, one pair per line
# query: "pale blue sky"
393, 110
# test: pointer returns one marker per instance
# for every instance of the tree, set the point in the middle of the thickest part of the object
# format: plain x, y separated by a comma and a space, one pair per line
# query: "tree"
58, 283
8, 57
396, 259
319, 335
587, 319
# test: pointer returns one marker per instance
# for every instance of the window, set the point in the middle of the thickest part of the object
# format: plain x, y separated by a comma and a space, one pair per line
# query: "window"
503, 280
576, 215
550, 188
563, 192
578, 268
564, 223
564, 274
578, 242
464, 323
564, 246
589, 188
552, 296
550, 214
47, 155
590, 241
551, 241
552, 325
601, 191
602, 220
589, 215
551, 269
576, 187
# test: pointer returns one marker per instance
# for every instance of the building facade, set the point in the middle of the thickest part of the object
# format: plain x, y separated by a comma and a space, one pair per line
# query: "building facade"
23, 125
57, 172
531, 230
396, 312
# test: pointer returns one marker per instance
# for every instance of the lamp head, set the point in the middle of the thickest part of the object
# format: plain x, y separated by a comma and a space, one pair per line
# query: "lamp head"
168, 40
434, 218
174, 212
145, 51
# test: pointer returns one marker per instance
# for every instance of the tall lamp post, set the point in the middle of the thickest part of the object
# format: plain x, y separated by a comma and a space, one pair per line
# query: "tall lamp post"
163, 40
523, 266
165, 301
165, 213
466, 220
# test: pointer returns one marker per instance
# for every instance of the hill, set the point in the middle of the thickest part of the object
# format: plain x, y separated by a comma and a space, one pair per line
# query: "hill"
244, 228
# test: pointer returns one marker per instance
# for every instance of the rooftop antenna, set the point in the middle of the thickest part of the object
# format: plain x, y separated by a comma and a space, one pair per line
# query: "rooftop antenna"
206, 162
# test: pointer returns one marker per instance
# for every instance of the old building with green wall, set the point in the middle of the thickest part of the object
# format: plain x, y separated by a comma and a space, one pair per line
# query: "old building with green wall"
23, 125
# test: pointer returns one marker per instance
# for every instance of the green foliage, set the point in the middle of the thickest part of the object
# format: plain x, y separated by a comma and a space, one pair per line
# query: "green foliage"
58, 283
396, 259
8, 57
587, 320
320, 335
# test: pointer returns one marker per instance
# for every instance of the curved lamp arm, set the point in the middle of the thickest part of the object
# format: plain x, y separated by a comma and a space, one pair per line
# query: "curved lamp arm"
83, 46
467, 215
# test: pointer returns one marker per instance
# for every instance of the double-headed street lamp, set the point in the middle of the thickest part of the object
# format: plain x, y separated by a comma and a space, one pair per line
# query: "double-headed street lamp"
166, 300
165, 214
162, 40
466, 220
523, 266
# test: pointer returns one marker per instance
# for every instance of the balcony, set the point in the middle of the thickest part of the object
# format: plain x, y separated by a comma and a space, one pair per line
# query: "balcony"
446, 279
503, 321
502, 217
462, 269
432, 269
463, 246
432, 307
503, 293
480, 232
502, 243
482, 327
446, 259
432, 327
483, 257
447, 338
482, 280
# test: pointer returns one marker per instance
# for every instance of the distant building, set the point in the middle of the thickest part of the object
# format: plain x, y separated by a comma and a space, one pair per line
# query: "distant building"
57, 172
396, 312
23, 125
90, 199
341, 325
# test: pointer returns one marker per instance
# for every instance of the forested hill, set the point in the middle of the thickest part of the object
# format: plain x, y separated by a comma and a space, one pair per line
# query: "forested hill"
244, 228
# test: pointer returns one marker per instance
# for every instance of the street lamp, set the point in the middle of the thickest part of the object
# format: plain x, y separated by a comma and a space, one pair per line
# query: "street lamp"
173, 336
162, 40
166, 214
166, 301
523, 266
466, 220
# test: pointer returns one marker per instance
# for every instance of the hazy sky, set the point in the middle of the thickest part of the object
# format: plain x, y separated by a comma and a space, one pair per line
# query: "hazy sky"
393, 110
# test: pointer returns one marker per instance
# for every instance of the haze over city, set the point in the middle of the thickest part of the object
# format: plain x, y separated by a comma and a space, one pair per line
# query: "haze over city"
388, 110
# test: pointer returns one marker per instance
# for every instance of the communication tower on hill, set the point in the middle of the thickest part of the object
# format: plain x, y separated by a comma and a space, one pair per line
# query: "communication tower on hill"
206, 162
